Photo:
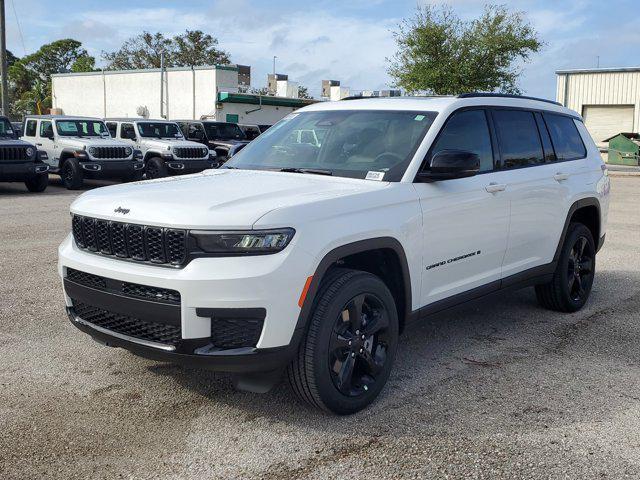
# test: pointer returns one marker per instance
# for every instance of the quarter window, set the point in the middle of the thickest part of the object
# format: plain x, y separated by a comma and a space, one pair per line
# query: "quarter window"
467, 130
31, 128
565, 137
519, 138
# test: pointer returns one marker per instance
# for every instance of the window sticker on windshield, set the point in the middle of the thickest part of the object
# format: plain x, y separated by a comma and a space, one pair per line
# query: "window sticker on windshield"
419, 118
377, 176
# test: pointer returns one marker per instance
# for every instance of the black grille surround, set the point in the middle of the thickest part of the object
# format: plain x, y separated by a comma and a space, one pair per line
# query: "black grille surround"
127, 325
102, 153
128, 241
127, 289
191, 152
14, 153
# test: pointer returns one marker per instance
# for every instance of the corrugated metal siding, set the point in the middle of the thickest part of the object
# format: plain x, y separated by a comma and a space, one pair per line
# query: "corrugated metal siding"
600, 88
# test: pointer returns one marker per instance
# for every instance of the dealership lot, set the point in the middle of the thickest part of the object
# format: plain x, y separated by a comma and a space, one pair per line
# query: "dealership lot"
500, 389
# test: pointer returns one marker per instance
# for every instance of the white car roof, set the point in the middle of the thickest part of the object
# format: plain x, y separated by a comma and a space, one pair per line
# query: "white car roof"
438, 104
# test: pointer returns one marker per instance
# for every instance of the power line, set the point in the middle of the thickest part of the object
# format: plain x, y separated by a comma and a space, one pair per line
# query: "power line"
15, 13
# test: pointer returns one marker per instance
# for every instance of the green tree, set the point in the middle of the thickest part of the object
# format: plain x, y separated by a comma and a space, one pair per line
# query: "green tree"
303, 92
441, 54
193, 48
30, 77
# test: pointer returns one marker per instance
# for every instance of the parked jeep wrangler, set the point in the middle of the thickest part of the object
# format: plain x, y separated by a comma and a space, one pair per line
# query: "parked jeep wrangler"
20, 161
163, 146
226, 139
81, 147
312, 257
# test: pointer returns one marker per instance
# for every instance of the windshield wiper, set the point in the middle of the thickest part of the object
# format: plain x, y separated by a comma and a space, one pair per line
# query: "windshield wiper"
314, 171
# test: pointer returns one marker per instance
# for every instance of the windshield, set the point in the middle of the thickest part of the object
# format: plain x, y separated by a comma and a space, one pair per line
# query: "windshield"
82, 128
159, 130
6, 129
223, 131
347, 143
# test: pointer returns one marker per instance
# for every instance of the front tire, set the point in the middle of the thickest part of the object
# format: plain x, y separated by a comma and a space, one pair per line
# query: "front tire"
571, 285
71, 174
37, 183
347, 355
156, 168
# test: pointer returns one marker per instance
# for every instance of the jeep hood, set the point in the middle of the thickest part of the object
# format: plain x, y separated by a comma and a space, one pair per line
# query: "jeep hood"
164, 142
214, 199
80, 143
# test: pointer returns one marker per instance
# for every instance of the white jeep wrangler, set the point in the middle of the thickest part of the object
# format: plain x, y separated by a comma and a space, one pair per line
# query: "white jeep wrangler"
81, 147
164, 148
312, 257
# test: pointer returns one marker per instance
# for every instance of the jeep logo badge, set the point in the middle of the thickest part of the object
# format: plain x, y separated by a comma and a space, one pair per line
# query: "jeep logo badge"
121, 210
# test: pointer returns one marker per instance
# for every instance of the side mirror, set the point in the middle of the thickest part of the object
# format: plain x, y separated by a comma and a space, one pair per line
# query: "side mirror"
451, 164
48, 134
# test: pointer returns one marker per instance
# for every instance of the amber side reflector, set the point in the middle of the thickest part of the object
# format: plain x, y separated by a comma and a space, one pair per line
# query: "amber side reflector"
303, 295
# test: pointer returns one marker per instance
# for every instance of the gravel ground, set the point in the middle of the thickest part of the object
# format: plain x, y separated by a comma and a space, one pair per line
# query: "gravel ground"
500, 389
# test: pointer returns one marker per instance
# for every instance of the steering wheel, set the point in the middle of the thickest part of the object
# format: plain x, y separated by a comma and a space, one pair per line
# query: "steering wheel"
394, 157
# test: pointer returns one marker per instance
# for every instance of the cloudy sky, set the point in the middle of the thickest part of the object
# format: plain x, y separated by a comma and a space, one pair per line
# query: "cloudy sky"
343, 40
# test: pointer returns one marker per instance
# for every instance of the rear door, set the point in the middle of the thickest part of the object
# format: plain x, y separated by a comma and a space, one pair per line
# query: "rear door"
465, 221
537, 199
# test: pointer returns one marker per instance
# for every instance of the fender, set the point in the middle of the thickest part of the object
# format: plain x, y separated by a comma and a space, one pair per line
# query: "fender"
151, 153
66, 153
584, 202
343, 251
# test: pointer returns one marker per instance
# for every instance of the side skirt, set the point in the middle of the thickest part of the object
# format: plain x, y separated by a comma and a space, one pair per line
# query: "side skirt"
534, 276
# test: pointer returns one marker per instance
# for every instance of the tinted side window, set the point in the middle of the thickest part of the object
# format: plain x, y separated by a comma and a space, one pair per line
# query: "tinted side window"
519, 138
467, 130
127, 131
31, 128
45, 128
112, 127
565, 137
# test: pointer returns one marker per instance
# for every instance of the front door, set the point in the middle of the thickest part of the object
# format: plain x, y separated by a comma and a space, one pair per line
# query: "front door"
465, 221
44, 142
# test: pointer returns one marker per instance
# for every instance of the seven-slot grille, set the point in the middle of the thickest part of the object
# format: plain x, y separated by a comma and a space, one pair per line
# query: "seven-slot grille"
14, 153
109, 152
190, 152
162, 246
127, 325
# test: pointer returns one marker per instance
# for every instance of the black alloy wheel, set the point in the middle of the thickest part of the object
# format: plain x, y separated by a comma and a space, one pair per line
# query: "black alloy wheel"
580, 268
359, 345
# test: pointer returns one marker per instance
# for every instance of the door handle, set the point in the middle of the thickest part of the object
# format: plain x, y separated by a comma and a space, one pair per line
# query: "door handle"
559, 177
39, 144
495, 187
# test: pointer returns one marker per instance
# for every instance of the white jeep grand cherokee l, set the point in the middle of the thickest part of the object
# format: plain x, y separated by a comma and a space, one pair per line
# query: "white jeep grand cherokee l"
163, 147
313, 257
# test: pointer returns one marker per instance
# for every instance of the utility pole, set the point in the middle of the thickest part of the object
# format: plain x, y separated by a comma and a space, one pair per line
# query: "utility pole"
3, 61
161, 84
274, 65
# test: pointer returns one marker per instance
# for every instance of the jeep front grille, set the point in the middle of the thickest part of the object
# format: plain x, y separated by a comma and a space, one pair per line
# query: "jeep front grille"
191, 152
109, 152
127, 325
162, 246
13, 153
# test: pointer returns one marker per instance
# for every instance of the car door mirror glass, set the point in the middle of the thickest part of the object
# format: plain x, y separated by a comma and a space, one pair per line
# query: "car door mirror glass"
451, 164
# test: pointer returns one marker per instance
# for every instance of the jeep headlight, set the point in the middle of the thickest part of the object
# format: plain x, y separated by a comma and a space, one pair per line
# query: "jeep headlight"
252, 242
30, 151
92, 150
128, 151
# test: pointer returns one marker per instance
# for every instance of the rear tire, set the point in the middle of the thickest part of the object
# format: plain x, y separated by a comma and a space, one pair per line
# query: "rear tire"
571, 285
156, 168
336, 369
38, 183
71, 174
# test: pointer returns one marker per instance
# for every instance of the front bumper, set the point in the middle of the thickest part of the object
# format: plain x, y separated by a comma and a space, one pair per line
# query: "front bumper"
111, 168
184, 166
21, 171
208, 287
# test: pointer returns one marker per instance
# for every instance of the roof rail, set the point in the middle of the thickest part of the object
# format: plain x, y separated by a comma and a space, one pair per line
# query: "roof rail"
505, 95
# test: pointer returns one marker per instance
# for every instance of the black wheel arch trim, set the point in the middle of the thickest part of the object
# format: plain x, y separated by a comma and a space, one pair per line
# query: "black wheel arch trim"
582, 203
346, 250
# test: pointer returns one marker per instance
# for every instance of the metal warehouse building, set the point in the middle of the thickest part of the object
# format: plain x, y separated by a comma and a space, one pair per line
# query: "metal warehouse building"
607, 98
212, 91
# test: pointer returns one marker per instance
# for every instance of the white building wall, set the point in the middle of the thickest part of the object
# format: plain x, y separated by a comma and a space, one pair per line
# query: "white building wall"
267, 115
577, 89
